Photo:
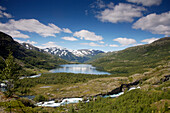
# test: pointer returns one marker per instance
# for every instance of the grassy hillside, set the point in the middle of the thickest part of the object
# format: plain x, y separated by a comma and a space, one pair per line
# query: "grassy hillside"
136, 59
100, 55
26, 58
152, 97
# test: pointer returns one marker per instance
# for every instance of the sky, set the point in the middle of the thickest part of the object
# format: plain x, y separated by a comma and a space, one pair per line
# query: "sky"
108, 25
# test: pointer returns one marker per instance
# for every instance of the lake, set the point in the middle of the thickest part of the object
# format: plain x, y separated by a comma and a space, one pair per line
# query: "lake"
78, 68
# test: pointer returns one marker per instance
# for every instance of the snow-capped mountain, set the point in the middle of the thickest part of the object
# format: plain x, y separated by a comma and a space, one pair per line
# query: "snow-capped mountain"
86, 52
61, 52
57, 51
81, 55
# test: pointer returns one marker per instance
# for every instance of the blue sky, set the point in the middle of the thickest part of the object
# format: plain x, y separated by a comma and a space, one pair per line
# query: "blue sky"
108, 25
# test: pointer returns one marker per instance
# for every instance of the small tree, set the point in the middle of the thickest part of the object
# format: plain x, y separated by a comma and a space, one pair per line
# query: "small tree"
10, 74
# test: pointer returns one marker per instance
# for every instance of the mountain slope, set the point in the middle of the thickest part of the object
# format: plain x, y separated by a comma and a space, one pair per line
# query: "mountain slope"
26, 57
31, 47
136, 59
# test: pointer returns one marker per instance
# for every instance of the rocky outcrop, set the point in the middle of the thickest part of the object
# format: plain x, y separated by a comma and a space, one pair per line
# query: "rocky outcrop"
166, 78
120, 89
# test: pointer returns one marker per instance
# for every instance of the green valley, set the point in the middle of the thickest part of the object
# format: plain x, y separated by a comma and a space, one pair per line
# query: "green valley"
146, 65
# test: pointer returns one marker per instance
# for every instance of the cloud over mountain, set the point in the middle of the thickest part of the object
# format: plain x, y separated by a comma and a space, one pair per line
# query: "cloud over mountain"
125, 41
69, 38
87, 35
49, 45
155, 23
150, 40
28, 41
113, 45
92, 44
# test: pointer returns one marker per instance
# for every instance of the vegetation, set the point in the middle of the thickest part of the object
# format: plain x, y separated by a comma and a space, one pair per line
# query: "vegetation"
16, 106
11, 74
137, 59
59, 78
27, 102
40, 98
136, 101
54, 79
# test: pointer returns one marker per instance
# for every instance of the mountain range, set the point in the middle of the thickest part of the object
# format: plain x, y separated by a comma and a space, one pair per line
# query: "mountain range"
81, 55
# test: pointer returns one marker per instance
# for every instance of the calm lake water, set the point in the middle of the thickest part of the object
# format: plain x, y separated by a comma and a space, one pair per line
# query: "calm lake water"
78, 68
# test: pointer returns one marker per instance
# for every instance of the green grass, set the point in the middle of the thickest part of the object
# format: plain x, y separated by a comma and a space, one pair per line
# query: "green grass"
56, 80
136, 101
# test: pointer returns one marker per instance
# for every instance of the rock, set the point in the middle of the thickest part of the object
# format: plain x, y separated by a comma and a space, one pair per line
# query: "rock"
166, 78
48, 94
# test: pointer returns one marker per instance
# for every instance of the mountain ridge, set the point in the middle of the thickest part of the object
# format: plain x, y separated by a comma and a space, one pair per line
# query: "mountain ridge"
80, 55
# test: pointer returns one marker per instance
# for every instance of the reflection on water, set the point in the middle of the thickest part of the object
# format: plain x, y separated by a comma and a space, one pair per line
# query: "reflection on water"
78, 68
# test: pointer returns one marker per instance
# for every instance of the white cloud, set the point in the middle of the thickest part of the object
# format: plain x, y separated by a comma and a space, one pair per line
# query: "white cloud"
2, 8
87, 35
48, 45
157, 24
111, 5
146, 2
125, 41
7, 15
113, 45
10, 30
137, 44
33, 25
66, 30
98, 4
150, 40
69, 38
92, 44
28, 41
13, 28
101, 42
120, 13
86, 12
4, 14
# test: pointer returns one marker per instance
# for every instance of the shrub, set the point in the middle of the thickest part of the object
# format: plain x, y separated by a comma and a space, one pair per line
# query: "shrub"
27, 102
40, 98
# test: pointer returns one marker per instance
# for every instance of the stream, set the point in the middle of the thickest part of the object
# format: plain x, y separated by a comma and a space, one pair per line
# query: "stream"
52, 103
